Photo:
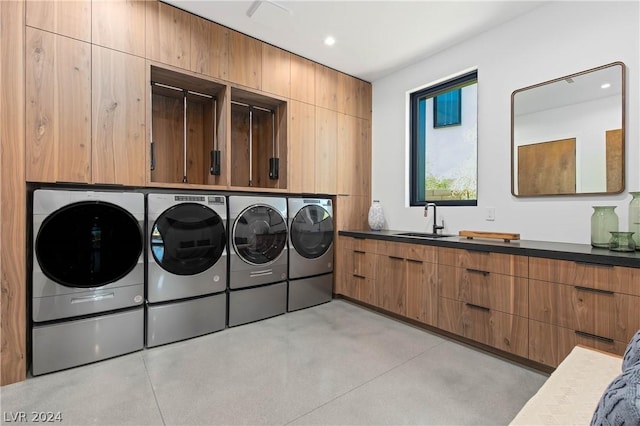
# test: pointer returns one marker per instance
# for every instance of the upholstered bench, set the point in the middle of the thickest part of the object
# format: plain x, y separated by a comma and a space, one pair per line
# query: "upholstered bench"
572, 392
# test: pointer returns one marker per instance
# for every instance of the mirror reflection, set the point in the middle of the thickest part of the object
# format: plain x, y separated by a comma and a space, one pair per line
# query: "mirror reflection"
567, 134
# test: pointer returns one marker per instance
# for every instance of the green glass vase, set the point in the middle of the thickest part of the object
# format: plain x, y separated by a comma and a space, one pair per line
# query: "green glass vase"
604, 220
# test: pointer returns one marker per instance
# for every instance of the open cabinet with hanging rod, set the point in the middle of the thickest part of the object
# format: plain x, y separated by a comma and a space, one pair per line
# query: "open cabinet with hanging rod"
187, 129
258, 140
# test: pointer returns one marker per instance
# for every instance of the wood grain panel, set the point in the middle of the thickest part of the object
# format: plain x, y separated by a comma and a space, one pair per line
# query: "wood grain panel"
168, 34
303, 79
354, 159
604, 277
13, 352
614, 147
326, 151
497, 329
605, 314
327, 86
119, 25
168, 131
422, 291
70, 18
547, 168
363, 100
276, 70
550, 344
58, 90
504, 293
347, 94
301, 143
350, 212
499, 263
391, 248
391, 284
118, 111
245, 60
240, 146
209, 48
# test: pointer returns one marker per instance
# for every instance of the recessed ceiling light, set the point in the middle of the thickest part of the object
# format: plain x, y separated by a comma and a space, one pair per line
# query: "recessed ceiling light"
605, 86
329, 41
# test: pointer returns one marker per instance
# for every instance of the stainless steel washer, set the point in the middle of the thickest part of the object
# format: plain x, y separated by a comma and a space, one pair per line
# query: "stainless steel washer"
310, 252
258, 260
186, 266
87, 278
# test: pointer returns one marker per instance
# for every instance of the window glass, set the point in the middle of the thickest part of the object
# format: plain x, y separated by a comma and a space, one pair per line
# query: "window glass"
444, 123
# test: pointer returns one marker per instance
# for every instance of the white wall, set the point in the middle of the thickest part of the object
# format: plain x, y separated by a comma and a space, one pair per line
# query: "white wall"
556, 39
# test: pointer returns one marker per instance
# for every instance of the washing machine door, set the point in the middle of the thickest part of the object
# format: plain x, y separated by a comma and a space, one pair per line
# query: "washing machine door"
312, 231
88, 244
259, 235
188, 239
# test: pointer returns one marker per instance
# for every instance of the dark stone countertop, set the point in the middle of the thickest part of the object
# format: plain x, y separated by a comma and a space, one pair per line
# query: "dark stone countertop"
563, 251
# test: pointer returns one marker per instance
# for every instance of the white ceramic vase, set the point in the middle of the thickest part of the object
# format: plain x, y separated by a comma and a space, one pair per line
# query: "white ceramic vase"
376, 216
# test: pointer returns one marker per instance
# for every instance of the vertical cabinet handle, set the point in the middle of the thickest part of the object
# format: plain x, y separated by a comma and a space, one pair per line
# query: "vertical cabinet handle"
153, 156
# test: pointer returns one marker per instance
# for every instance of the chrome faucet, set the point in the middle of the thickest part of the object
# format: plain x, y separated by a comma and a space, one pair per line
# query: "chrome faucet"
436, 227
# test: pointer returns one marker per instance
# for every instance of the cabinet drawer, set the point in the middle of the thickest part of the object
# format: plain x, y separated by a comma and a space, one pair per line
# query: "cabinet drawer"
500, 263
504, 293
550, 344
360, 244
419, 252
392, 249
598, 312
497, 329
612, 278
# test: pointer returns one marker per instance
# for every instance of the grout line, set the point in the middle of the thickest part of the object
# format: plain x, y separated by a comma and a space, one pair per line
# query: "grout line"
153, 390
366, 382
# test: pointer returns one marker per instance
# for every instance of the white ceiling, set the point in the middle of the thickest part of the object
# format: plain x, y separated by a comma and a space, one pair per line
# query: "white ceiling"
373, 38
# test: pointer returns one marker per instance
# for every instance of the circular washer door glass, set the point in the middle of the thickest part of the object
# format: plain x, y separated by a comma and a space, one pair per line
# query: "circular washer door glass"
88, 244
312, 231
187, 239
259, 235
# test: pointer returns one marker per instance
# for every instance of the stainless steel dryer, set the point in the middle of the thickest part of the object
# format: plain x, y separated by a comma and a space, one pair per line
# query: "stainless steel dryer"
258, 260
87, 277
186, 266
310, 252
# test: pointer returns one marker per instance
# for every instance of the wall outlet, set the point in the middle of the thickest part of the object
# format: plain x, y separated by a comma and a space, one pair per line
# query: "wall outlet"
490, 214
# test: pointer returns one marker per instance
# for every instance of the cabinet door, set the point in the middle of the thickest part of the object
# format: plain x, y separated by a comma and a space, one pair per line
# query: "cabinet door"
325, 154
209, 48
245, 60
276, 70
422, 291
351, 212
363, 100
302, 147
119, 25
391, 284
354, 160
303, 80
118, 93
58, 114
327, 82
168, 34
71, 18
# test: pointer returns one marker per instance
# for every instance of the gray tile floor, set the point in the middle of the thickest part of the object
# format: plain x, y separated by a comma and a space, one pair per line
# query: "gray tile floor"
332, 364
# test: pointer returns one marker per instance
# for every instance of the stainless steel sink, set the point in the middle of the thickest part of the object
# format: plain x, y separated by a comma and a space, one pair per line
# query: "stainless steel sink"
422, 235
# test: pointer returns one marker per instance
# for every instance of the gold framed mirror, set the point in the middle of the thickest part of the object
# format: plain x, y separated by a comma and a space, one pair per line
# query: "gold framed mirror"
567, 134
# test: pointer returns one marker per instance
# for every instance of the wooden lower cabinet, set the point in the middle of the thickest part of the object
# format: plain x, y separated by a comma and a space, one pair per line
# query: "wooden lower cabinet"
497, 329
550, 344
391, 284
355, 269
422, 291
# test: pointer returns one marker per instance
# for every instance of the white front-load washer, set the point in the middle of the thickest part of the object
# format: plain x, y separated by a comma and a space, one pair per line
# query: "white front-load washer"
87, 281
258, 258
186, 245
310, 252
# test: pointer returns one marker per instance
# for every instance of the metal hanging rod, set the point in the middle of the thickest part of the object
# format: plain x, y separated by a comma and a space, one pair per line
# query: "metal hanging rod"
191, 92
252, 106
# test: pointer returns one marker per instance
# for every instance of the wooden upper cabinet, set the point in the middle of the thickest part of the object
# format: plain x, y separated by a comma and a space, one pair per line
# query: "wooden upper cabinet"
276, 70
69, 18
354, 157
209, 48
301, 142
58, 114
303, 80
327, 82
168, 34
119, 25
325, 153
346, 94
245, 60
363, 99
118, 110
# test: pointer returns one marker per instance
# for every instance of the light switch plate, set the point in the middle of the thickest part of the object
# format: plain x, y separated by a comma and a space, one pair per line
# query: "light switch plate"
491, 214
